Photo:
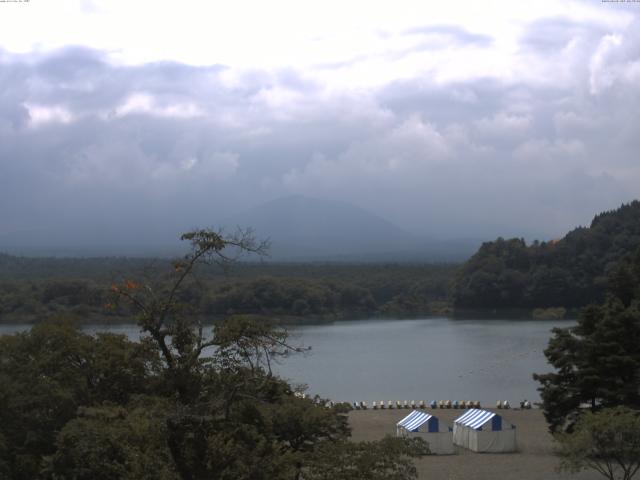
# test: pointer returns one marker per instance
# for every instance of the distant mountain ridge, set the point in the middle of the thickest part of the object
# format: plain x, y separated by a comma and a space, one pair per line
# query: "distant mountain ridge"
571, 272
321, 226
304, 228
300, 229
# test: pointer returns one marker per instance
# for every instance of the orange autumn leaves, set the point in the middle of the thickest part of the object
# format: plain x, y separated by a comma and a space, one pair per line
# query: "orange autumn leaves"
127, 286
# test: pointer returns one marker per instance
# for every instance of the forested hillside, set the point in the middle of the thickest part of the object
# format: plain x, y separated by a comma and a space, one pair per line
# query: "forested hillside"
503, 274
32, 289
570, 272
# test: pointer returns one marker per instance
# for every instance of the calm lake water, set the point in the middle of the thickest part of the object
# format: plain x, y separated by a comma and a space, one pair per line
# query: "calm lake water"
427, 359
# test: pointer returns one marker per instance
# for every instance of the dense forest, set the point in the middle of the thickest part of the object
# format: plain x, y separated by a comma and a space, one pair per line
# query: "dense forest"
571, 272
509, 275
103, 407
597, 360
32, 289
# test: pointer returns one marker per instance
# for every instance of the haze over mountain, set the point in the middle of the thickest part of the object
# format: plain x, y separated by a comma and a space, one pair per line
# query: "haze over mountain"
298, 227
306, 228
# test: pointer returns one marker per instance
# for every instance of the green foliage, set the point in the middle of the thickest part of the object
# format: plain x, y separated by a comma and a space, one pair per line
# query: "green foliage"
597, 362
571, 272
284, 297
108, 442
388, 459
49, 372
179, 404
607, 441
32, 289
5, 467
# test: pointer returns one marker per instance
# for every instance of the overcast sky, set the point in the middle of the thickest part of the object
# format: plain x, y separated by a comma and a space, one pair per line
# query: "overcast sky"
452, 119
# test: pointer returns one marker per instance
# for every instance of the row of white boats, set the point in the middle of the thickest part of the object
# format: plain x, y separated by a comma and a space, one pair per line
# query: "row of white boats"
443, 404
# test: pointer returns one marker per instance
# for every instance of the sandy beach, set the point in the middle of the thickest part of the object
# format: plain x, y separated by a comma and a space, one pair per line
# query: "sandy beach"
533, 461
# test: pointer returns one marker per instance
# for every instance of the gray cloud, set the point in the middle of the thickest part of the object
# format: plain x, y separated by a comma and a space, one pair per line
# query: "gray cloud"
548, 35
114, 152
431, 37
451, 34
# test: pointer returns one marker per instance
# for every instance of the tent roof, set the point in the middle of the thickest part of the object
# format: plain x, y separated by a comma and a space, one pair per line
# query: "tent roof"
474, 418
413, 421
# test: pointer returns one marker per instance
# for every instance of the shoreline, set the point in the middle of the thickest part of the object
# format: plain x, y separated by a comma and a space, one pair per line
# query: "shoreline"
97, 320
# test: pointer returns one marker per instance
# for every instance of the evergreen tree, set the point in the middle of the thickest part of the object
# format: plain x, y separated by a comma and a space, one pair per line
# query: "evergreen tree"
597, 362
571, 272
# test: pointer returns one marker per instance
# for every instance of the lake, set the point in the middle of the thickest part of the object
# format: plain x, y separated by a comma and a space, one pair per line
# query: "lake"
426, 359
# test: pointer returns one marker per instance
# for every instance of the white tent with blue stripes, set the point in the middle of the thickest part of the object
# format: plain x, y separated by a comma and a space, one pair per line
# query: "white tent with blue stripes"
484, 431
430, 429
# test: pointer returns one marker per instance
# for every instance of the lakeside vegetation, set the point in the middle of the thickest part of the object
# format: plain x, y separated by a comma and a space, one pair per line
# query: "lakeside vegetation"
570, 273
35, 288
506, 278
82, 406
591, 399
597, 361
104, 407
